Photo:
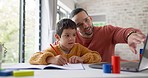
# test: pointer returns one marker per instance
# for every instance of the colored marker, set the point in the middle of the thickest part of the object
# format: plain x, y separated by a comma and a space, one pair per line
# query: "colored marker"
20, 73
6, 72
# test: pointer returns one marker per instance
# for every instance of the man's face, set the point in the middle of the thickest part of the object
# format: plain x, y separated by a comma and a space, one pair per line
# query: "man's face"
84, 24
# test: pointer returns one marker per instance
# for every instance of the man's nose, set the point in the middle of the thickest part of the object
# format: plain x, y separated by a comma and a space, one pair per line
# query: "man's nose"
85, 25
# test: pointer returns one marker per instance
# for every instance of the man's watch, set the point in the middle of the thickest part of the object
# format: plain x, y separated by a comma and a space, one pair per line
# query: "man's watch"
129, 34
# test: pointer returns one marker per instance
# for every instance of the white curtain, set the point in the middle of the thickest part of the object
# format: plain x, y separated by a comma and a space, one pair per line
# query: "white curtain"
49, 11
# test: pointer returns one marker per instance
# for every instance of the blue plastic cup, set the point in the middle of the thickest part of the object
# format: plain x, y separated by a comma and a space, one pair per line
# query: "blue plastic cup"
107, 68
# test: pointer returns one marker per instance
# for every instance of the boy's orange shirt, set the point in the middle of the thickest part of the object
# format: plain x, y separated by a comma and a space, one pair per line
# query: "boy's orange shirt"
87, 55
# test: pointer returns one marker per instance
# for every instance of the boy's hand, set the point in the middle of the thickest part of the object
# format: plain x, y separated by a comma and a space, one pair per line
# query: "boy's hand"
56, 42
75, 59
58, 60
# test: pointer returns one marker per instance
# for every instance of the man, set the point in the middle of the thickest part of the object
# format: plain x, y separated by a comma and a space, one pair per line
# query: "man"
103, 39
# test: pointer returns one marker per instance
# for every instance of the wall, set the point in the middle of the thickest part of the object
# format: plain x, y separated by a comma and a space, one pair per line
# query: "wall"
122, 13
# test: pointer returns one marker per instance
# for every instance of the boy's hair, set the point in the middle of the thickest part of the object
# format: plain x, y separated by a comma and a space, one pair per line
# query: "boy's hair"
65, 24
76, 11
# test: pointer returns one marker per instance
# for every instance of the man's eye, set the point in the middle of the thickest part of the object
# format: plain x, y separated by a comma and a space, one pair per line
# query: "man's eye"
86, 20
80, 24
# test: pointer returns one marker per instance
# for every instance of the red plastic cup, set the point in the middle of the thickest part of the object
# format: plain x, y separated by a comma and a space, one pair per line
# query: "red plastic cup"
115, 64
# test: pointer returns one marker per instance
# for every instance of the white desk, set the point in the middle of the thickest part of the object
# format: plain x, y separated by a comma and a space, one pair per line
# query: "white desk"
87, 73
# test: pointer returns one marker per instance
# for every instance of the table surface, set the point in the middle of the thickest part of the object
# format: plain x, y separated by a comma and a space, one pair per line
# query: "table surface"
87, 73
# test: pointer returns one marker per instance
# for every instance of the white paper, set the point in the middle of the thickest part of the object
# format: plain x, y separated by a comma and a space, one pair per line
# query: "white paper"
77, 66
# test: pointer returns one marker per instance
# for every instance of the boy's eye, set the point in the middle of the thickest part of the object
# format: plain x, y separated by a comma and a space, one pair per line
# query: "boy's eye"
74, 34
67, 35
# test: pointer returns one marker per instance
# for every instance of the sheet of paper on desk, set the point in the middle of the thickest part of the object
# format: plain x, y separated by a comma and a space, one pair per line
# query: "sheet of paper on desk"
24, 66
77, 66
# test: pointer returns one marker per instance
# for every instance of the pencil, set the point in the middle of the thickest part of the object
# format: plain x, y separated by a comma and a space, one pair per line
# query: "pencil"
57, 52
54, 49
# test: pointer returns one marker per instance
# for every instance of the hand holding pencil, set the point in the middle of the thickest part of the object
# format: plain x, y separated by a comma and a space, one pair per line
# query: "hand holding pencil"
59, 59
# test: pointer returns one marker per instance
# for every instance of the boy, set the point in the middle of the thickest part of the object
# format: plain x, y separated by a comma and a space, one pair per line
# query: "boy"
67, 51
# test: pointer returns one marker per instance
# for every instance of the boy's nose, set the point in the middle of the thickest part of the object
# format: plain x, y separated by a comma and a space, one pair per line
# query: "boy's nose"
71, 38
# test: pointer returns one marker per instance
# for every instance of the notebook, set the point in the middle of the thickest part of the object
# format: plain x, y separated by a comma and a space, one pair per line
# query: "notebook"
25, 66
131, 66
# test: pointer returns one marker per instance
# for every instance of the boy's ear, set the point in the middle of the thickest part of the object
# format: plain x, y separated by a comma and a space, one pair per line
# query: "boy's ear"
57, 37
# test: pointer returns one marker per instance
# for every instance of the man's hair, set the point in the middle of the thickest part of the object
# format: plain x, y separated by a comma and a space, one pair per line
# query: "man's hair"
65, 24
76, 11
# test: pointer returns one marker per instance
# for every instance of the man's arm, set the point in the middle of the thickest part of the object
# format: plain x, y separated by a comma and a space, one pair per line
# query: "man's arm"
134, 38
131, 36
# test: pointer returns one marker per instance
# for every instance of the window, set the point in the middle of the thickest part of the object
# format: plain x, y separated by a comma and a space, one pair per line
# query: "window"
30, 28
61, 13
9, 28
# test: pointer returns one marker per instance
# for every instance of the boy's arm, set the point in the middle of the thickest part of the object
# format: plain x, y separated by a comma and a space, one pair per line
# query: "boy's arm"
90, 56
40, 58
58, 60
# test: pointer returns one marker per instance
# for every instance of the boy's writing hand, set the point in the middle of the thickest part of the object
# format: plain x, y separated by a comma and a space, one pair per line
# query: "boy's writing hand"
56, 42
58, 60
75, 59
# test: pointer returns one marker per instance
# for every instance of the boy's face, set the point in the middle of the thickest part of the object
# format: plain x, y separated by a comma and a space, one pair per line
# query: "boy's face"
67, 39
